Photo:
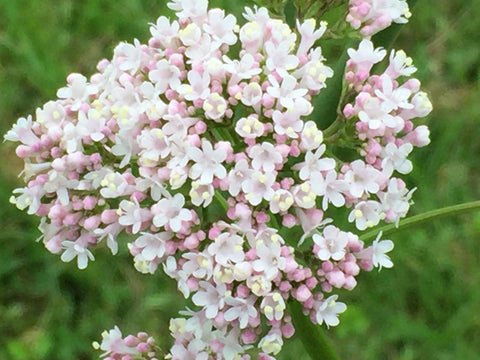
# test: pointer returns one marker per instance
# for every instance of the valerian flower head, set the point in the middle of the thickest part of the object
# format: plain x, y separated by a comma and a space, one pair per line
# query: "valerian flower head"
203, 145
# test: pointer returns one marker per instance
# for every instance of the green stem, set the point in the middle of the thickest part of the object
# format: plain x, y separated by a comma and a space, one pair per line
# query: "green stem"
312, 336
221, 200
421, 218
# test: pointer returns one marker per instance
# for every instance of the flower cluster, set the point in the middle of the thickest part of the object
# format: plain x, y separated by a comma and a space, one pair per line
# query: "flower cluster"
384, 109
372, 16
115, 347
208, 158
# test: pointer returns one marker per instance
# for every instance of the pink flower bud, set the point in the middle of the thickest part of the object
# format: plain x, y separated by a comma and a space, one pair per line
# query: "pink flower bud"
262, 217
242, 291
249, 336
213, 232
143, 347
302, 293
289, 220
91, 223
109, 216
130, 341
288, 330
350, 283
191, 242
200, 127
336, 278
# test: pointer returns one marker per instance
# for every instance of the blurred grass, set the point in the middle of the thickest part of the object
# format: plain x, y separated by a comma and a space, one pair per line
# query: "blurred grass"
426, 307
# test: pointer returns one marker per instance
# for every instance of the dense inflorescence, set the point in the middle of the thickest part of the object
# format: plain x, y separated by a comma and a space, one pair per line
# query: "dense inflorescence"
372, 16
201, 146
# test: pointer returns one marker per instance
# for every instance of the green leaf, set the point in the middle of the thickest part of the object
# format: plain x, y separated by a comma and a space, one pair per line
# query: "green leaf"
290, 13
326, 103
387, 37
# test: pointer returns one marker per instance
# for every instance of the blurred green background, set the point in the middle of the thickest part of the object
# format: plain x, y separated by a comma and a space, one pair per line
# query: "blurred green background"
426, 307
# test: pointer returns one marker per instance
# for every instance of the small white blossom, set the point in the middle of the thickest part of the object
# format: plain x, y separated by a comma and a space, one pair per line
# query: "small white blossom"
171, 212
326, 311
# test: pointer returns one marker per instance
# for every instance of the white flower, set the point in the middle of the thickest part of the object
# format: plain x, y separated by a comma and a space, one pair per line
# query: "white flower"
366, 214
129, 56
314, 73
30, 197
211, 297
304, 195
264, 156
281, 201
375, 115
286, 92
249, 127
171, 212
154, 145
252, 33
189, 8
269, 261
152, 245
190, 34
245, 68
131, 214
272, 342
112, 341
92, 124
258, 187
110, 232
171, 269
165, 75
77, 91
58, 183
72, 138
314, 163
126, 146
395, 201
397, 10
395, 158
240, 173
287, 122
392, 98
366, 55
331, 188
165, 32
259, 284
362, 179
202, 50
379, 252
309, 34
400, 64
208, 163
273, 306
327, 311
332, 244
77, 249
241, 309
22, 131
311, 137
191, 351
215, 107
199, 265
279, 58
114, 185
252, 95
227, 248
197, 87
201, 194
221, 27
